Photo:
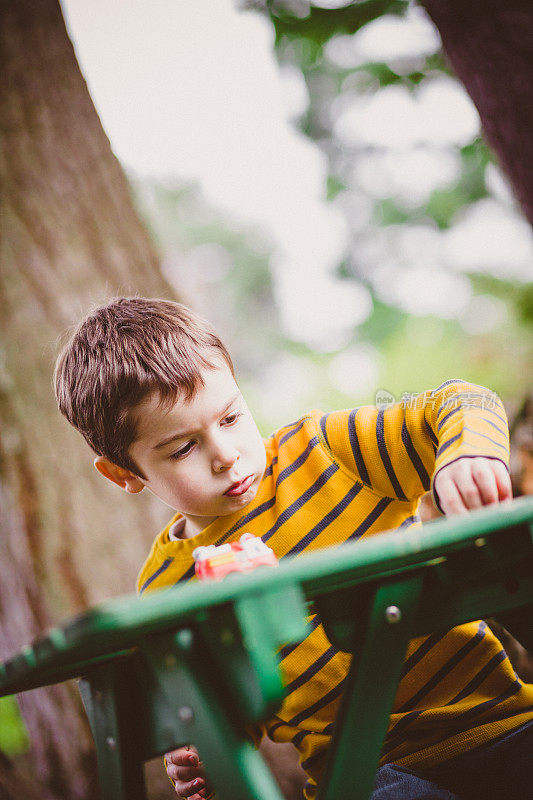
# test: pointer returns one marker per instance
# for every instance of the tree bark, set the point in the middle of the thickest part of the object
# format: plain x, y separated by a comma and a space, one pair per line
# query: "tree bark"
70, 237
489, 46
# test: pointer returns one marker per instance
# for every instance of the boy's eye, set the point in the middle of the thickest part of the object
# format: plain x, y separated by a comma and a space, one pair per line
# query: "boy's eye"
231, 418
182, 451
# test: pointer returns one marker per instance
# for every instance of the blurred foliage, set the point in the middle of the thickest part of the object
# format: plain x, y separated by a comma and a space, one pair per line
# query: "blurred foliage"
443, 205
413, 362
225, 269
300, 20
520, 295
524, 302
13, 735
218, 266
407, 364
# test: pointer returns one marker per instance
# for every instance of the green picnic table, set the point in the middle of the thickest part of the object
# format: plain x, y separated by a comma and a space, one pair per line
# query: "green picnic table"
199, 662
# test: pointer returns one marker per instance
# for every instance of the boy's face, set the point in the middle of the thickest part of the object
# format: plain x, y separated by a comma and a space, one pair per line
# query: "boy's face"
204, 458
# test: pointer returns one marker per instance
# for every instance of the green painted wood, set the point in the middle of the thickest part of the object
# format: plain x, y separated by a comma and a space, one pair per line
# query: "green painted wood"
191, 707
198, 662
371, 688
117, 729
118, 624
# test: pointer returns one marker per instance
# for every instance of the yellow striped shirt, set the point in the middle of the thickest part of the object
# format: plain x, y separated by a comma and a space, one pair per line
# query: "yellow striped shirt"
337, 477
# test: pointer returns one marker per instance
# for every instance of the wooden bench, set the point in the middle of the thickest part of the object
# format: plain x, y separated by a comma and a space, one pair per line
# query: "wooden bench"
198, 663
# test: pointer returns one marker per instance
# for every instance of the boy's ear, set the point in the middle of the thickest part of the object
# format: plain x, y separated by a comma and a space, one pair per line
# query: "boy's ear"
122, 477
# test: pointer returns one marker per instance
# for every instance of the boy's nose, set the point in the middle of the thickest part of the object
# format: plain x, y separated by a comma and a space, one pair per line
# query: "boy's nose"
224, 459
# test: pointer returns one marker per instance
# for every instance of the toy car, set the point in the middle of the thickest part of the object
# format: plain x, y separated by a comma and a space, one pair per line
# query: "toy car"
214, 563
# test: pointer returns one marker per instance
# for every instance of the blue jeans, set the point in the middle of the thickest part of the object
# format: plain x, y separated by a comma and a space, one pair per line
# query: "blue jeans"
397, 783
503, 770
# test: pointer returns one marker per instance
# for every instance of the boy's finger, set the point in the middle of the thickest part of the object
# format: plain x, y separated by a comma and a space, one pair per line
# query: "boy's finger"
450, 499
190, 789
467, 487
503, 481
182, 774
182, 757
469, 491
485, 479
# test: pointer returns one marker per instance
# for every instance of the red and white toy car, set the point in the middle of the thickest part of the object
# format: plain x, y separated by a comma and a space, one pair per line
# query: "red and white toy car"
214, 563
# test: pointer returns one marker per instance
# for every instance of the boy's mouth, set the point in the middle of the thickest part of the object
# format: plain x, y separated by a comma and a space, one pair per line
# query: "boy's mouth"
240, 487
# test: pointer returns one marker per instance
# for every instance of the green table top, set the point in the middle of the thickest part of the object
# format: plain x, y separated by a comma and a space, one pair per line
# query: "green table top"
116, 626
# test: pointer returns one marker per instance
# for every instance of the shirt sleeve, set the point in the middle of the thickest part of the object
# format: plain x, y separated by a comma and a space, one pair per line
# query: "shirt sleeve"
398, 449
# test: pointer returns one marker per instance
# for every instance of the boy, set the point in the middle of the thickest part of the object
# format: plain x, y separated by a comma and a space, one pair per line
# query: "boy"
151, 387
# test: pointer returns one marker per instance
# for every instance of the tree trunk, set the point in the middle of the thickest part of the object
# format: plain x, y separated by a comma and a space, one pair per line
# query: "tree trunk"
70, 237
489, 46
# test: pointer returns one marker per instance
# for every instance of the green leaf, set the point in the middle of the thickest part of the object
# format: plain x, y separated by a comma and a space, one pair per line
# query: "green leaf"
14, 739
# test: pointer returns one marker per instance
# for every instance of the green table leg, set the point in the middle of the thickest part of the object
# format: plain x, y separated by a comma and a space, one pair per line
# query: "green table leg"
109, 699
371, 689
186, 707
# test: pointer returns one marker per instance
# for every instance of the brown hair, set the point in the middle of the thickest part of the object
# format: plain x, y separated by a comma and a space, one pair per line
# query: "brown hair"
120, 354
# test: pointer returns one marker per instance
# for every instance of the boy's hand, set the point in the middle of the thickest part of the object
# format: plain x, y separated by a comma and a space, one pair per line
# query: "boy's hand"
471, 483
186, 771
